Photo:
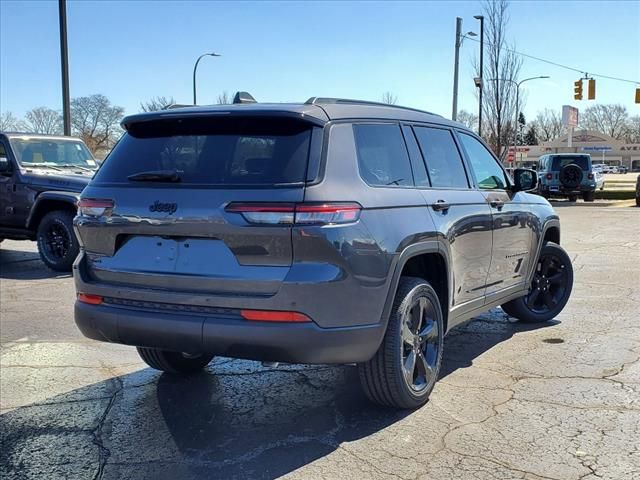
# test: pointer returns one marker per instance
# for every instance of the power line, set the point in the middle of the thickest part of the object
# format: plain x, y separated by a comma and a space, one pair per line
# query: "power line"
566, 67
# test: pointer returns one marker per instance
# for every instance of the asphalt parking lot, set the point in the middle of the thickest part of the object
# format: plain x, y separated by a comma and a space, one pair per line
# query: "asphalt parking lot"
554, 401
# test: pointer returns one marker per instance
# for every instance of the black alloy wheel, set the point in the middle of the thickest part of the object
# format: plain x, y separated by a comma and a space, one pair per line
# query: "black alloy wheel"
420, 345
549, 290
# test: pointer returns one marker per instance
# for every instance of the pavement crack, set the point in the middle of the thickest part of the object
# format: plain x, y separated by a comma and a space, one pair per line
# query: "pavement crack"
103, 451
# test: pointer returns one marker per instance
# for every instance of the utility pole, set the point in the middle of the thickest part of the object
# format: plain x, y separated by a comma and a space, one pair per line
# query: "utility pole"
64, 62
481, 18
454, 114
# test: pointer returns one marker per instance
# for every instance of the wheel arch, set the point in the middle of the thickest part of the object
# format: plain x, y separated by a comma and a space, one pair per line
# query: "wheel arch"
428, 260
49, 201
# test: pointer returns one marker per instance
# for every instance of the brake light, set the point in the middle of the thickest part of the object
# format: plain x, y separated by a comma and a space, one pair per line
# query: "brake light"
590, 176
89, 298
297, 214
95, 207
549, 176
273, 316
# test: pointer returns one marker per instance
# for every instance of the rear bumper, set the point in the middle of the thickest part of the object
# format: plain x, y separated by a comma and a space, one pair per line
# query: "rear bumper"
561, 190
227, 336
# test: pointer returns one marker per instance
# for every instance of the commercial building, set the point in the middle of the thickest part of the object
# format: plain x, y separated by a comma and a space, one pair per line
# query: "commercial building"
603, 149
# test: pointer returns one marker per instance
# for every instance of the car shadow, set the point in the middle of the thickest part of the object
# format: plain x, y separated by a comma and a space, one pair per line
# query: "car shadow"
234, 420
24, 265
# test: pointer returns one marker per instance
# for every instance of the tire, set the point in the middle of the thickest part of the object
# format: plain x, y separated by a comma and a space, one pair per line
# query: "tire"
57, 243
573, 198
534, 307
570, 176
588, 196
173, 362
602, 187
383, 377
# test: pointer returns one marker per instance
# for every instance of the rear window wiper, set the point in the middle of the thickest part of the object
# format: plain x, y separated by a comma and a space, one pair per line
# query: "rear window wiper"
155, 176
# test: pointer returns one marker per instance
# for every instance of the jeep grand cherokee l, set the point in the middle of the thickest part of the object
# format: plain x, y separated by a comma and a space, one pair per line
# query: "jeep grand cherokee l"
333, 231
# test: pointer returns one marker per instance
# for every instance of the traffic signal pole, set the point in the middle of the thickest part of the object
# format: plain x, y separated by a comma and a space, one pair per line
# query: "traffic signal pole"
454, 113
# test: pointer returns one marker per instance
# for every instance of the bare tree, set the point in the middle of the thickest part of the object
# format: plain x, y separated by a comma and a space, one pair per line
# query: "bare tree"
609, 119
390, 98
468, 119
224, 99
96, 121
548, 125
44, 120
632, 132
9, 123
156, 103
501, 69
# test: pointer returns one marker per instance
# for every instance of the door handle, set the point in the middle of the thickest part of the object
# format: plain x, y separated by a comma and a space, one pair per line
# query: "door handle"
497, 204
441, 206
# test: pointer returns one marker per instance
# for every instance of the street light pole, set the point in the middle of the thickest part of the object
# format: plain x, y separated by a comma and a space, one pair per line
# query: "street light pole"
481, 18
195, 67
518, 102
64, 62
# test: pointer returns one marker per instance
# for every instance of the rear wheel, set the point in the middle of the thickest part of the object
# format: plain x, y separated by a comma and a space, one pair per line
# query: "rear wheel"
57, 243
173, 362
573, 198
405, 368
588, 196
550, 288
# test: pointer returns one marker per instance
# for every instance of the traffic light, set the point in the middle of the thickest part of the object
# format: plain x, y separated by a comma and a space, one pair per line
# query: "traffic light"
637, 95
591, 89
577, 89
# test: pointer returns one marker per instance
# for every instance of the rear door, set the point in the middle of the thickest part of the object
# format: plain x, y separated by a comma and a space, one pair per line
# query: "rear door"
199, 205
461, 214
513, 220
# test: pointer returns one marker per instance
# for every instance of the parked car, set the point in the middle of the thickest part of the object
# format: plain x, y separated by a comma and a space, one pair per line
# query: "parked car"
333, 231
566, 175
598, 176
41, 178
638, 191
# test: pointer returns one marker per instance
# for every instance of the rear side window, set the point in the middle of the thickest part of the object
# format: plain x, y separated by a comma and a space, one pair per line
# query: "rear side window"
382, 155
444, 163
213, 151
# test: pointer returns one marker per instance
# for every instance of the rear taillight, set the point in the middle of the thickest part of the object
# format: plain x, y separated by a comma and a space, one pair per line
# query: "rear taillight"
89, 298
590, 176
297, 214
549, 176
95, 207
274, 316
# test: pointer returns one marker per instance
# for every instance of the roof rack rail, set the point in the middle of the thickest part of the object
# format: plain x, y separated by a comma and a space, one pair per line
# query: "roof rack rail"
348, 101
175, 105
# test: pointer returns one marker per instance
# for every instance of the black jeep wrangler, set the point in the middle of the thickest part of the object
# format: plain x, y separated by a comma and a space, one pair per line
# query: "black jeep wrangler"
41, 178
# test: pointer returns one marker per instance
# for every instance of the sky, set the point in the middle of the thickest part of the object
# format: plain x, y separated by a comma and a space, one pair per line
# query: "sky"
290, 51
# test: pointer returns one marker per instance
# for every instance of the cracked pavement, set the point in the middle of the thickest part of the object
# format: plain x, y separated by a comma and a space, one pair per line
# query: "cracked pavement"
554, 401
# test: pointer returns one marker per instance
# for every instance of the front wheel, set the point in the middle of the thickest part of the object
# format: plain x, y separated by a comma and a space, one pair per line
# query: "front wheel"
405, 368
57, 244
550, 288
173, 362
588, 196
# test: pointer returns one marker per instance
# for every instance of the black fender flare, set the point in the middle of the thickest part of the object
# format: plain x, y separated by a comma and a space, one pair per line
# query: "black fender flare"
70, 198
413, 250
553, 222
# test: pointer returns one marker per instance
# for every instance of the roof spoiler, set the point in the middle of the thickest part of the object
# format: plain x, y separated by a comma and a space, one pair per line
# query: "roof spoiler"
243, 97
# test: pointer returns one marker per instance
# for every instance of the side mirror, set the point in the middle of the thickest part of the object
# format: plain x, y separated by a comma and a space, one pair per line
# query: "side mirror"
5, 166
524, 180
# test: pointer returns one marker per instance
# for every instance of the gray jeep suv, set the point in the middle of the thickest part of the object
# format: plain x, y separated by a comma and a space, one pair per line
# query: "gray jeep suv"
567, 175
333, 231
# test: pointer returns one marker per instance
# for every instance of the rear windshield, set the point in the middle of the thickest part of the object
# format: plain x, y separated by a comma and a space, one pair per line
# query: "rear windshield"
581, 161
219, 151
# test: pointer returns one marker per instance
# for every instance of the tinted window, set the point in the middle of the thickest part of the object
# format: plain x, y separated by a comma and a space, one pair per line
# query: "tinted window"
231, 151
441, 155
382, 155
580, 160
417, 164
488, 173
